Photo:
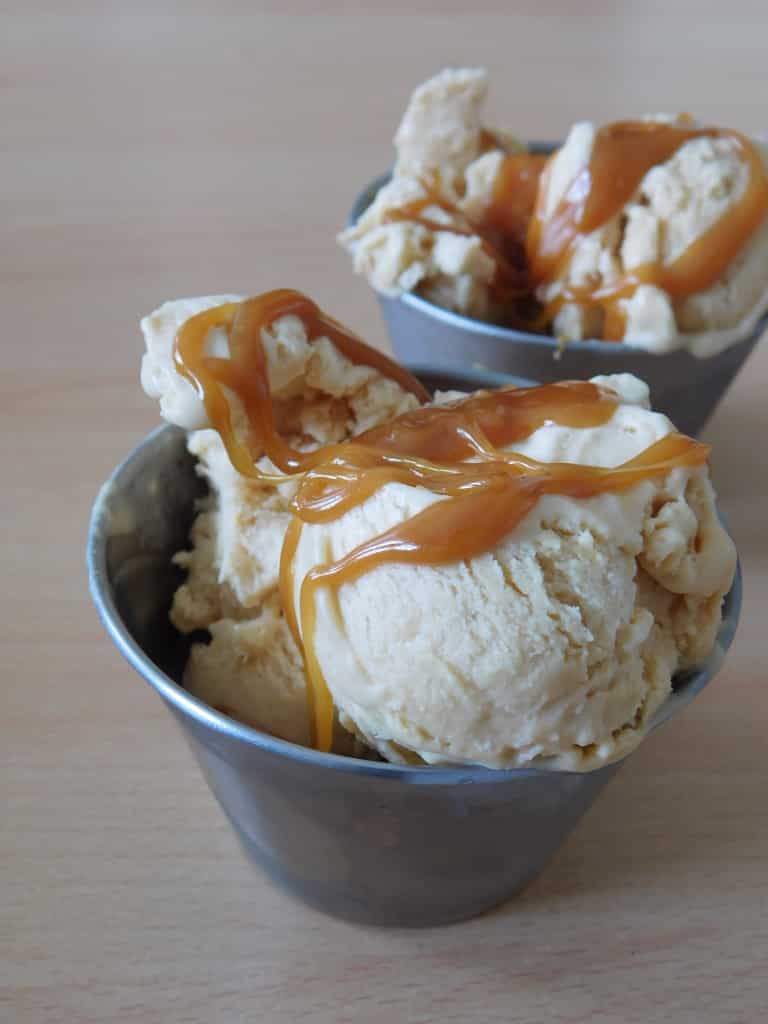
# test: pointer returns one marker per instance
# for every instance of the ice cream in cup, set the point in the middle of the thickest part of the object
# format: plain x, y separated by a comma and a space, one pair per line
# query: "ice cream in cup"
637, 246
409, 633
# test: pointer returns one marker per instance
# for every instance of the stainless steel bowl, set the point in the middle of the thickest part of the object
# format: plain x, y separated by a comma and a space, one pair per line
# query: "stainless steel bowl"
683, 386
366, 841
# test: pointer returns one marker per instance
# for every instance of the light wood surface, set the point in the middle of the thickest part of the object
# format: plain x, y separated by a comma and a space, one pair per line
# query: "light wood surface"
157, 149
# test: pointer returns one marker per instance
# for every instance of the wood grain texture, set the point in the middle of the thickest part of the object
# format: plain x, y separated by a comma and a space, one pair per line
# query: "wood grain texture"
157, 149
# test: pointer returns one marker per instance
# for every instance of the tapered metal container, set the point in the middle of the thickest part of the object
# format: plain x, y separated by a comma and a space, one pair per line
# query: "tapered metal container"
367, 841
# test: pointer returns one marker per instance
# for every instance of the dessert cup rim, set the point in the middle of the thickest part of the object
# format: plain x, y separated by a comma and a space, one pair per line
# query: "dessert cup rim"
209, 718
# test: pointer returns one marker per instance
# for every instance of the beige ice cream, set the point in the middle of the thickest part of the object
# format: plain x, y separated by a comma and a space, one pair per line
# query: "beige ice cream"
559, 644
555, 647
252, 668
676, 203
441, 134
442, 139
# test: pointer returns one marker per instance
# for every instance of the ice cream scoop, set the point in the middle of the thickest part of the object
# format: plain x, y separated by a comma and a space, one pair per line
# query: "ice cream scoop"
500, 579
555, 642
653, 231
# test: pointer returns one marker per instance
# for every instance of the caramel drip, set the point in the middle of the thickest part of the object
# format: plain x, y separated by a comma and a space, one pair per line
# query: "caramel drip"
513, 200
456, 451
244, 372
484, 499
509, 280
607, 298
287, 576
622, 155
489, 140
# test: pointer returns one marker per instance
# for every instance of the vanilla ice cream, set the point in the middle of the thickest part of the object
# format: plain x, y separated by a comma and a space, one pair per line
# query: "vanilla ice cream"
441, 139
675, 204
427, 230
252, 668
556, 646
560, 644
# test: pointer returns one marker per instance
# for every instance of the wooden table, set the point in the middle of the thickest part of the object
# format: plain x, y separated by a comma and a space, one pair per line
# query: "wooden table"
160, 149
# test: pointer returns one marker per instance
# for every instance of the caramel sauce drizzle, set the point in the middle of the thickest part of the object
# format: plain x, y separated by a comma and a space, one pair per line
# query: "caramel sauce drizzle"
244, 373
513, 201
456, 451
622, 155
510, 279
483, 499
531, 249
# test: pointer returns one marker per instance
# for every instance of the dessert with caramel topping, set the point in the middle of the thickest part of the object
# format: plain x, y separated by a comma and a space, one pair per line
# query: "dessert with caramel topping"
506, 578
650, 231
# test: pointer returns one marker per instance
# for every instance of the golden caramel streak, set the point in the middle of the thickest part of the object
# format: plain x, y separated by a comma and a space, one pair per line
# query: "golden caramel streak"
286, 577
456, 451
486, 497
244, 373
319, 699
509, 280
622, 155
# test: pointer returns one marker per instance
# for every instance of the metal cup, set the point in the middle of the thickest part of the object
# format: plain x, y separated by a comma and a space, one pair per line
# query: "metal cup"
685, 387
363, 840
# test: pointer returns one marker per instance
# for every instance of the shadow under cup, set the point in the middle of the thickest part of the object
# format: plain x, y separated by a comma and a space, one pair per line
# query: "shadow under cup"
367, 841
